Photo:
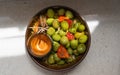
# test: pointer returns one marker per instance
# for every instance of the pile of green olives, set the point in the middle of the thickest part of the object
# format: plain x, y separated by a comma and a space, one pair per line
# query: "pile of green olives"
66, 31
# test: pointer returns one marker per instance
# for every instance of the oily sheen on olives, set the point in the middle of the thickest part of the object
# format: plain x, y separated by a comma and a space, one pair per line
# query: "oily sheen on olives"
68, 35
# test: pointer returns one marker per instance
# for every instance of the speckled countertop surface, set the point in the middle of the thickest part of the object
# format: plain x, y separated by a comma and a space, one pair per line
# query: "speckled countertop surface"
103, 18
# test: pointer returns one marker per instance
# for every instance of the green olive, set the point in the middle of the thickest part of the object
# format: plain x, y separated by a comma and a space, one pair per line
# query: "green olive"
81, 48
81, 28
70, 59
70, 51
64, 25
75, 52
61, 62
78, 34
69, 14
83, 38
55, 46
55, 24
77, 25
62, 33
50, 13
49, 21
74, 44
72, 30
51, 59
56, 37
56, 57
64, 40
68, 45
61, 11
50, 31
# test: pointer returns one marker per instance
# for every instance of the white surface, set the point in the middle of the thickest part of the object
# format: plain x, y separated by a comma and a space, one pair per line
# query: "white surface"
103, 18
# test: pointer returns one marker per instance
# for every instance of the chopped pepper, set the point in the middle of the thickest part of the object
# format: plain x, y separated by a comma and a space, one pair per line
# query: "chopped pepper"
70, 36
62, 52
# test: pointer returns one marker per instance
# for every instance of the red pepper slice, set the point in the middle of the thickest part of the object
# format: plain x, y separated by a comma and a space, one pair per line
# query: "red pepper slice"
62, 52
70, 36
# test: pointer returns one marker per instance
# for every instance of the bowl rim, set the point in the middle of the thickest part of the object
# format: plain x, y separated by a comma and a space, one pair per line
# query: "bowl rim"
88, 42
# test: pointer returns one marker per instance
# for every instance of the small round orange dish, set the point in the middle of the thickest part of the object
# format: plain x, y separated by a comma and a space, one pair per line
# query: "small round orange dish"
39, 44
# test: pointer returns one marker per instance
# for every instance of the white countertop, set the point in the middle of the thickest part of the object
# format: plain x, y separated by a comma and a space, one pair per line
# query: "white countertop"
103, 18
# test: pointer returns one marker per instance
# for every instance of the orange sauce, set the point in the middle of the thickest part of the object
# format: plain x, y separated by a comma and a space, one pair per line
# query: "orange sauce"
40, 45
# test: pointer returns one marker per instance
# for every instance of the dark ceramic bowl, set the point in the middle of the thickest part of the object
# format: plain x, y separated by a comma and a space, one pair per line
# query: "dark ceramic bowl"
38, 61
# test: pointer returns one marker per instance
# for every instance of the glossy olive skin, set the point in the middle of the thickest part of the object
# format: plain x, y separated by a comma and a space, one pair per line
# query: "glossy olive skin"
66, 67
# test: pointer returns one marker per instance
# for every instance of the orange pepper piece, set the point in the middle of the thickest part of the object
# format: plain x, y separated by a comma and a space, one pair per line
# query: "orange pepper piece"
62, 18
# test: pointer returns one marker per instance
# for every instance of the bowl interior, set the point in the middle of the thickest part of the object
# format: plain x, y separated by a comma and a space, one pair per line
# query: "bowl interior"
56, 67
